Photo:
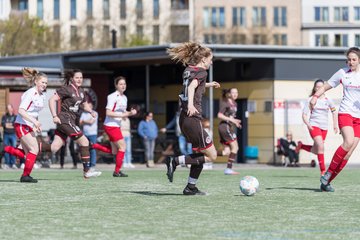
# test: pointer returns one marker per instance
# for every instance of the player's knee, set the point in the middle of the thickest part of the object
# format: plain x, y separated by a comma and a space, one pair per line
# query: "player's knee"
121, 145
34, 149
348, 143
211, 156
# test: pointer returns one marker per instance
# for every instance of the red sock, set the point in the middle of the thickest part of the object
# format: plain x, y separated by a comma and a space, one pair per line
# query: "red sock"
119, 161
336, 160
103, 148
29, 163
306, 147
17, 152
321, 160
338, 170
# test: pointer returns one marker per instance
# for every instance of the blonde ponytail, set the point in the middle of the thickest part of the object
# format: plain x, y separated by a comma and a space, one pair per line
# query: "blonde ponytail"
189, 53
31, 74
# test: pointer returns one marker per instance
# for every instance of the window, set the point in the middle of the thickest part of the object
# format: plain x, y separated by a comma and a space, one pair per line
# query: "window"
259, 39
280, 39
89, 8
341, 40
139, 9
321, 40
56, 9
179, 4
214, 38
215, 16
89, 35
106, 36
259, 16
280, 16
122, 9
139, 31
239, 17
123, 34
73, 36
23, 5
156, 9
206, 17
156, 34
341, 14
321, 14
40, 9
73, 9
237, 38
206, 38
357, 40
106, 9
357, 13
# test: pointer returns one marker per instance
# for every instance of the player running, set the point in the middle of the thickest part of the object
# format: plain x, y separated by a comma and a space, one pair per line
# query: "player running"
197, 59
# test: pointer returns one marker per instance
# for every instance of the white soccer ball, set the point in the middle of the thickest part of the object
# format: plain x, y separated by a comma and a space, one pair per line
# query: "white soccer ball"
249, 185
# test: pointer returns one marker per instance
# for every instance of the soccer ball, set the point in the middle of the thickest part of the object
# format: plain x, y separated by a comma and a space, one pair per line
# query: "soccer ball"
249, 185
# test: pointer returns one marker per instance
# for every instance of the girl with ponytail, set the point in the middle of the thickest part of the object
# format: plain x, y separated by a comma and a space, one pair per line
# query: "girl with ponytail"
197, 59
26, 123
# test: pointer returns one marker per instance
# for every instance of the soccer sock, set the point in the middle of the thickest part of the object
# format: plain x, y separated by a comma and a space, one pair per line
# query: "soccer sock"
85, 157
321, 160
15, 151
29, 163
195, 159
338, 169
119, 161
336, 160
195, 171
306, 147
231, 159
102, 148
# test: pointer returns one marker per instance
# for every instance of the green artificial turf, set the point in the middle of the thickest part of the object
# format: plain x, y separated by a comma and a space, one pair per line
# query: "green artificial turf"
146, 206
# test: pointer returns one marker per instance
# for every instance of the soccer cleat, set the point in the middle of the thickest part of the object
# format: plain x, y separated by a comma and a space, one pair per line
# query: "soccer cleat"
28, 179
193, 191
119, 174
325, 178
229, 171
326, 188
171, 167
91, 174
298, 147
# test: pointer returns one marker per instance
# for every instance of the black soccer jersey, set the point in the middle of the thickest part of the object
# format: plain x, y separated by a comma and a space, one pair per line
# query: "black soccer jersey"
193, 74
71, 99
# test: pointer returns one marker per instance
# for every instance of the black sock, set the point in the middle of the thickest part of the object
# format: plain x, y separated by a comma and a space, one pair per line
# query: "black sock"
195, 159
195, 171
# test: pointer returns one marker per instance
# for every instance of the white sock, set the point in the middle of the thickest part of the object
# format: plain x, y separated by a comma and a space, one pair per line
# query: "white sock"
192, 180
182, 160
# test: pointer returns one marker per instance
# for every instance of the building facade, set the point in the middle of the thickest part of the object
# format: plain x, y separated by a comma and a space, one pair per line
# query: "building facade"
273, 22
88, 24
331, 23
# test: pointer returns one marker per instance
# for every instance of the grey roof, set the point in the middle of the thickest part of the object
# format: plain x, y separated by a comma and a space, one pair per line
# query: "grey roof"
152, 54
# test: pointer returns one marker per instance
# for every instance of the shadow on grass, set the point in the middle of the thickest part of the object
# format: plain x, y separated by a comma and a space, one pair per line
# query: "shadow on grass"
7, 181
148, 193
296, 188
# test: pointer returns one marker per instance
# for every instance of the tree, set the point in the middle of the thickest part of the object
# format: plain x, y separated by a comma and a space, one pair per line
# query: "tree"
21, 34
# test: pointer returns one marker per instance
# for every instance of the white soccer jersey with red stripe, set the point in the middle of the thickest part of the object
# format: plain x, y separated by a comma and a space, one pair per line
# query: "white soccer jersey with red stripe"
350, 102
115, 103
319, 115
33, 103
